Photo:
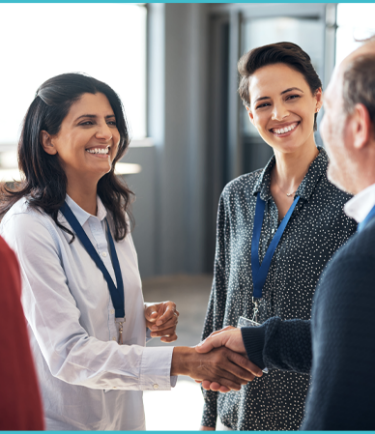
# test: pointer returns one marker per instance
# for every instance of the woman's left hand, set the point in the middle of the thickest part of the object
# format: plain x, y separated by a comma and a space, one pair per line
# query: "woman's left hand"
162, 319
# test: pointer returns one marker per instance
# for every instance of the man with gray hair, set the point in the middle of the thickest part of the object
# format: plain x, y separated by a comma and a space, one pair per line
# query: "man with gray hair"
338, 345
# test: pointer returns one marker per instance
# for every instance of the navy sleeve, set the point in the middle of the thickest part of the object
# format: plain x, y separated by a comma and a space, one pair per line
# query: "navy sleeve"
278, 344
342, 395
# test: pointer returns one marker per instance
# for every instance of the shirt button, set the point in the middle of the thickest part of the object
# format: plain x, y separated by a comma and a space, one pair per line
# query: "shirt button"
156, 386
113, 339
104, 254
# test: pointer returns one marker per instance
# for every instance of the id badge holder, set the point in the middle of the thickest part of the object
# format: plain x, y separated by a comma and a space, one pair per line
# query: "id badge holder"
244, 322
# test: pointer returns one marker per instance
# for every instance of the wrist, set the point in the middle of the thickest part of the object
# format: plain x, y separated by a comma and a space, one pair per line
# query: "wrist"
181, 359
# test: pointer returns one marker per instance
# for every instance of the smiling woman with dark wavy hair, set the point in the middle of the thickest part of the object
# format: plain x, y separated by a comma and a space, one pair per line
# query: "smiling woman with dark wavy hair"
68, 224
276, 230
45, 183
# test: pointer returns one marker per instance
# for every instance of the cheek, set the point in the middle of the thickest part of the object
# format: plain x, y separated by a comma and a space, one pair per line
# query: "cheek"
114, 148
260, 122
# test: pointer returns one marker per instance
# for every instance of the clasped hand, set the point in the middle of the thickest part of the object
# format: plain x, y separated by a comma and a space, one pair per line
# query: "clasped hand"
161, 319
230, 338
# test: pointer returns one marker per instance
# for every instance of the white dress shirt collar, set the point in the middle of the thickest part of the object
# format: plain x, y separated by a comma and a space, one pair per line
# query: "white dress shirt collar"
361, 204
82, 215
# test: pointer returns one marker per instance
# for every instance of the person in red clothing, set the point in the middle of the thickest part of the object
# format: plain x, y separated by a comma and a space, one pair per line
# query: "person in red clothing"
20, 402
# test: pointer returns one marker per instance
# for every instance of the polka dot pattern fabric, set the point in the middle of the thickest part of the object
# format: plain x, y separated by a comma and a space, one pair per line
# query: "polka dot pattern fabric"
317, 228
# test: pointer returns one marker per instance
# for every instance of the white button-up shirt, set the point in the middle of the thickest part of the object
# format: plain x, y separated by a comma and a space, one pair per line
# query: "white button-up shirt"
88, 381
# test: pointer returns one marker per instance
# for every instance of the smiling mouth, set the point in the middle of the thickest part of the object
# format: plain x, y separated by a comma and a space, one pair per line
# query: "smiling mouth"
103, 151
285, 130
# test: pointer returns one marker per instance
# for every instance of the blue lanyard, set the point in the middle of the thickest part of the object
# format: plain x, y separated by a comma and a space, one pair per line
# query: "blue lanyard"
117, 294
369, 216
260, 271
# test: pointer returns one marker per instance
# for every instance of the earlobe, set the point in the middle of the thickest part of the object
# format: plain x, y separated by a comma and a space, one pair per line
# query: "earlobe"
361, 125
251, 116
46, 141
319, 99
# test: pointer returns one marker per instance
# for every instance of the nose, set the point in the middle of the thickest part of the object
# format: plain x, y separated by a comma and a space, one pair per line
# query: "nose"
279, 111
104, 132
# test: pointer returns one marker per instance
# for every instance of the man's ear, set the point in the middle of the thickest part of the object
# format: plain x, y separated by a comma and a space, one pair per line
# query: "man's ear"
251, 116
361, 126
47, 143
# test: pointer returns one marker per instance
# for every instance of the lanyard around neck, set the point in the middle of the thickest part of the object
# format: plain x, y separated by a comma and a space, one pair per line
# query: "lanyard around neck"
117, 293
369, 216
260, 271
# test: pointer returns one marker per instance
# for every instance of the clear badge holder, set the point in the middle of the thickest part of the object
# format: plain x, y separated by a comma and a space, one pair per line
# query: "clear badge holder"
244, 322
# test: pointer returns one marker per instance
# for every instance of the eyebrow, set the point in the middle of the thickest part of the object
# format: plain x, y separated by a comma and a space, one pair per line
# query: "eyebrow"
282, 93
93, 116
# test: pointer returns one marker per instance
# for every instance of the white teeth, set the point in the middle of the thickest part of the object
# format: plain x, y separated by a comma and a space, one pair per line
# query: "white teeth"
286, 129
98, 151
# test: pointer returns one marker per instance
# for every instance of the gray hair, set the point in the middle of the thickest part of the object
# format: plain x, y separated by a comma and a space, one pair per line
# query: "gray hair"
359, 84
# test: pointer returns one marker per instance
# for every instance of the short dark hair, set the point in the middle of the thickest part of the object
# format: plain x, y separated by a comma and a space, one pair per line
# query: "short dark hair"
281, 52
359, 85
45, 181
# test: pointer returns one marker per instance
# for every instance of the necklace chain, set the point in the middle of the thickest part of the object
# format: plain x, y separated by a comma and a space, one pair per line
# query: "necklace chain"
288, 194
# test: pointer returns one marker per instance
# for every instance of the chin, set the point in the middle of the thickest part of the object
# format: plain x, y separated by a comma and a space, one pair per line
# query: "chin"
286, 148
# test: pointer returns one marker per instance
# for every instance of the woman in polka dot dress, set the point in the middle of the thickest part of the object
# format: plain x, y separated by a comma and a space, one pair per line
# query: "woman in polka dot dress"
282, 94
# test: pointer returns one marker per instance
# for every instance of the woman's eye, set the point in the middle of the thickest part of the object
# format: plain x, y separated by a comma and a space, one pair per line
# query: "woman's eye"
262, 105
293, 96
86, 123
113, 123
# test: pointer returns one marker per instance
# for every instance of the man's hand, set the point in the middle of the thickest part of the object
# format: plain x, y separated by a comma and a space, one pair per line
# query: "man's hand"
229, 337
221, 366
162, 319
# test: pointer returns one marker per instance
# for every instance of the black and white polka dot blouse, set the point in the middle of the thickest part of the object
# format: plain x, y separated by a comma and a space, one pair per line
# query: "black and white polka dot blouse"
317, 228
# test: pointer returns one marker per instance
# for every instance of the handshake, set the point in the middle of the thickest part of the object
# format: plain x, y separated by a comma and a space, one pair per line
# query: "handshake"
219, 362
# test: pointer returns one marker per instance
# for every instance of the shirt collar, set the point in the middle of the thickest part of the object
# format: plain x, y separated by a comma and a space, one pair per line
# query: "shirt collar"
81, 215
361, 204
317, 168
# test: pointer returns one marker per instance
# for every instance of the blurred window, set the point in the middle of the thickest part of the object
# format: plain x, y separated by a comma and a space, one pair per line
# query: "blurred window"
355, 22
38, 41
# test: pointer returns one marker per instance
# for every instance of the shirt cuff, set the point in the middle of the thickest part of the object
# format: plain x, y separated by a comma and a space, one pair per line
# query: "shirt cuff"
253, 339
148, 334
174, 379
156, 369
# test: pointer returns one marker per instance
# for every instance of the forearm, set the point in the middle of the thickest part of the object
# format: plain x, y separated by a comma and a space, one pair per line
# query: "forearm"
278, 344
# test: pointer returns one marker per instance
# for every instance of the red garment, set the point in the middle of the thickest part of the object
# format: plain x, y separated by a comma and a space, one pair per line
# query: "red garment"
20, 402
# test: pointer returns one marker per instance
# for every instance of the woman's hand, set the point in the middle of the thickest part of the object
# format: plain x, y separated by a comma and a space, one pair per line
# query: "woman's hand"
221, 366
229, 337
162, 319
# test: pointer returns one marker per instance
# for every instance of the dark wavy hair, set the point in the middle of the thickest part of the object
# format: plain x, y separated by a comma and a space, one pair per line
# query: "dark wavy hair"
44, 183
281, 52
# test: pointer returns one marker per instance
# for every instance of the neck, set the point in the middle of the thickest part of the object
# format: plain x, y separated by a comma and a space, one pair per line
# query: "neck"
291, 168
358, 173
83, 194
